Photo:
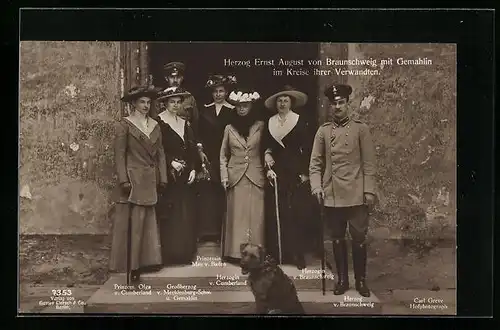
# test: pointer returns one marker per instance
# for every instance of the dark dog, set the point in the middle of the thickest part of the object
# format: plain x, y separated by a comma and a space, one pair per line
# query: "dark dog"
273, 290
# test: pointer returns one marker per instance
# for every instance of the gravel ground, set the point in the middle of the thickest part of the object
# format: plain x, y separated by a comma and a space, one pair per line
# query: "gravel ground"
64, 259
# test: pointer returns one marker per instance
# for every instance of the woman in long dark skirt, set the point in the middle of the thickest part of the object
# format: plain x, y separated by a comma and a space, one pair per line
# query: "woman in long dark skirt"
287, 152
176, 207
214, 117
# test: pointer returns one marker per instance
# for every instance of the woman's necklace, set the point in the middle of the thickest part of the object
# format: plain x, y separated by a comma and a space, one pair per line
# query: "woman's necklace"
282, 120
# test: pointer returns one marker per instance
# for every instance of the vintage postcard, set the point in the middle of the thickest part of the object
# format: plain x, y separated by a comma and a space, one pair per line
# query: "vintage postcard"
237, 178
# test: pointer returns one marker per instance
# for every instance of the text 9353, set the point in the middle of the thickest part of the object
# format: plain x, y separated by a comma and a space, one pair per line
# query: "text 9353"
63, 292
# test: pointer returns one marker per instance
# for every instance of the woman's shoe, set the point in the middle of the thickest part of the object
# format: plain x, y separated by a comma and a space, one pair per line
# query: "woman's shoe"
135, 276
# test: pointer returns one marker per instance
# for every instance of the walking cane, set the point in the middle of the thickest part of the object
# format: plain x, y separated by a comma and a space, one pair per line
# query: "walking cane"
277, 215
129, 243
322, 249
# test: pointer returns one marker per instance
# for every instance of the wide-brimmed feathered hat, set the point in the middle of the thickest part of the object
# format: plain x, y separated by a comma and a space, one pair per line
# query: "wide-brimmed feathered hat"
140, 91
171, 92
243, 95
220, 80
299, 97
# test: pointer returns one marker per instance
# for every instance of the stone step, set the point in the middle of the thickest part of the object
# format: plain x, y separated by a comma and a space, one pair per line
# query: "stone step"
224, 278
193, 289
106, 300
188, 290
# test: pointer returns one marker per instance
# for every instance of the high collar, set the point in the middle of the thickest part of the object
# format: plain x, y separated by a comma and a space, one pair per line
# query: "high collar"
342, 122
225, 104
166, 115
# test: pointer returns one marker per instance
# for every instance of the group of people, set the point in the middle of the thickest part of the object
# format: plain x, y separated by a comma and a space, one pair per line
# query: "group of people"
224, 173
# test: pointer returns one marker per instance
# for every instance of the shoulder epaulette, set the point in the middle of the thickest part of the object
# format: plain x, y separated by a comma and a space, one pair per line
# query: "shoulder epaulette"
326, 124
208, 105
229, 105
357, 121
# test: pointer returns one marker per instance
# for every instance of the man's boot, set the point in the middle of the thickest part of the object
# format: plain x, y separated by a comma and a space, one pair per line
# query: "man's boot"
359, 264
299, 261
340, 254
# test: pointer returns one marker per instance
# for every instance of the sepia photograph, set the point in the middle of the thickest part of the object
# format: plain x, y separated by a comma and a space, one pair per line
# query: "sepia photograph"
286, 178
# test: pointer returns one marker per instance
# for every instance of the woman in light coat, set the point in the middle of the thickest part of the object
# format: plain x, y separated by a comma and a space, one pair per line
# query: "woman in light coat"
242, 176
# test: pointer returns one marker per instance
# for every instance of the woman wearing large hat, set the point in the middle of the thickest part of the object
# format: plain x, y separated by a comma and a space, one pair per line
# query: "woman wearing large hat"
141, 169
176, 208
173, 73
287, 152
242, 175
214, 117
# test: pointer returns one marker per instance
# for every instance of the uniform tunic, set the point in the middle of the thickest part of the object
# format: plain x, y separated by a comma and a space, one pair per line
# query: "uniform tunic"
139, 160
343, 163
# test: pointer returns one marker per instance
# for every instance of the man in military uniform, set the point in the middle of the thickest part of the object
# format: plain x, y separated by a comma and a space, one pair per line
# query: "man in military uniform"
174, 76
342, 177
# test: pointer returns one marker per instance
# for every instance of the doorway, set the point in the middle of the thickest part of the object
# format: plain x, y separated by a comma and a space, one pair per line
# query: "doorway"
204, 59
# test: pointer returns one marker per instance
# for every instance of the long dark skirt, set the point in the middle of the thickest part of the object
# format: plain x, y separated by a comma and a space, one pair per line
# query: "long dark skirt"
210, 210
298, 221
177, 224
145, 241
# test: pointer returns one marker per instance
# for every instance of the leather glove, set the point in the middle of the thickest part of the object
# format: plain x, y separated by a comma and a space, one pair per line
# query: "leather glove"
161, 188
126, 187
192, 176
269, 160
271, 176
320, 196
370, 200
177, 166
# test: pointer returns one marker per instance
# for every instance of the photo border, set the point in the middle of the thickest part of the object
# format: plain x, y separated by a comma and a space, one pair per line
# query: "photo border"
471, 30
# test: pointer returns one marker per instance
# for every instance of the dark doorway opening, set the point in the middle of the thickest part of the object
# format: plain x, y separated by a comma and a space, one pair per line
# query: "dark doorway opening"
203, 59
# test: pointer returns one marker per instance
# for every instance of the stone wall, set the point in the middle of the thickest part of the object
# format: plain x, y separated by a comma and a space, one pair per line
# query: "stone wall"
411, 111
69, 97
